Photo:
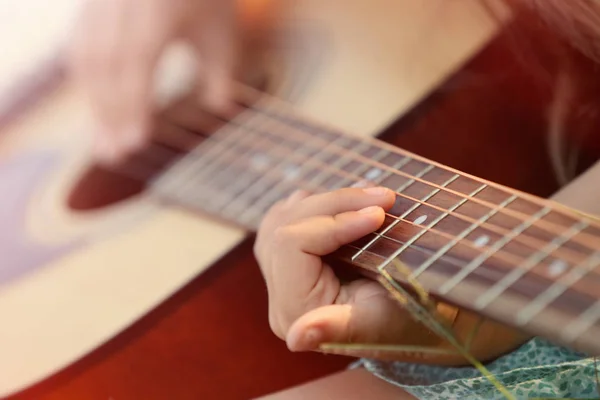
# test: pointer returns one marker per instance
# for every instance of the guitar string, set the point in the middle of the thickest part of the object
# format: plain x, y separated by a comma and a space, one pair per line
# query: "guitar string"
525, 239
396, 150
140, 172
208, 153
450, 260
250, 96
480, 272
503, 254
253, 97
510, 212
376, 255
532, 266
249, 136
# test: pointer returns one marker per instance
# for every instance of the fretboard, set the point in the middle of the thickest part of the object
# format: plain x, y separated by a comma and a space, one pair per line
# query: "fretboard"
510, 256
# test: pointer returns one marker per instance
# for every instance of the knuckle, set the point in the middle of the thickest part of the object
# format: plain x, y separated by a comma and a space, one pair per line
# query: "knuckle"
339, 230
282, 236
265, 232
274, 213
343, 194
277, 207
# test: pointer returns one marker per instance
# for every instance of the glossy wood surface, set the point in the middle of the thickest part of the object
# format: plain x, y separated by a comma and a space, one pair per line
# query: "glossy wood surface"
212, 339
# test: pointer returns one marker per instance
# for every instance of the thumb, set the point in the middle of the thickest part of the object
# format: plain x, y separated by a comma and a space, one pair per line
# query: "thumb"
374, 320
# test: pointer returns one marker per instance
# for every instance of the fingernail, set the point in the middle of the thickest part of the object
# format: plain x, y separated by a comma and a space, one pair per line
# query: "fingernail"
369, 210
376, 191
361, 184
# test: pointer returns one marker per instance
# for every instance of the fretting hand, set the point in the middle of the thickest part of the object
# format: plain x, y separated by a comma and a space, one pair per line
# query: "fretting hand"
308, 305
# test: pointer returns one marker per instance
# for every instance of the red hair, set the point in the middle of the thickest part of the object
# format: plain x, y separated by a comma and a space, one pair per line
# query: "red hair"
559, 44
577, 21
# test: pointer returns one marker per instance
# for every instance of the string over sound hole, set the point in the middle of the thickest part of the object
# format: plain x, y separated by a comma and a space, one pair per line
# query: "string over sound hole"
176, 133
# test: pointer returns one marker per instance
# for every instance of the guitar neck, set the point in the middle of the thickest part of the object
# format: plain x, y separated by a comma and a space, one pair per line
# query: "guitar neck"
521, 260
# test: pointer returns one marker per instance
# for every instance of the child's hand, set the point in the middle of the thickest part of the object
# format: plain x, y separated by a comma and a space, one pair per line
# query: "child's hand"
307, 303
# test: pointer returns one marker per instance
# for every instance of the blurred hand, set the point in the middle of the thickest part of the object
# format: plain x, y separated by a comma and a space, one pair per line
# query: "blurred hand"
117, 45
308, 305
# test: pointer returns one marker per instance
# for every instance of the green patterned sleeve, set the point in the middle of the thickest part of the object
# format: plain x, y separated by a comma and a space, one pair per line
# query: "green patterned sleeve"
537, 369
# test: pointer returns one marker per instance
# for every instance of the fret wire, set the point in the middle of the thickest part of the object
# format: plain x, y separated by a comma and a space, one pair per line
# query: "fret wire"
375, 141
203, 186
463, 218
404, 162
387, 152
409, 223
591, 314
501, 286
455, 280
442, 233
396, 166
514, 213
559, 208
243, 134
427, 228
264, 200
200, 156
450, 260
460, 237
261, 185
557, 288
509, 257
251, 135
257, 189
381, 178
403, 215
321, 177
586, 320
253, 212
172, 181
344, 182
207, 165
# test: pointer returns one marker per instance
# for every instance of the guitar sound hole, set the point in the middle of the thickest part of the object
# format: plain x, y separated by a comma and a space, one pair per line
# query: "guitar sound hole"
101, 187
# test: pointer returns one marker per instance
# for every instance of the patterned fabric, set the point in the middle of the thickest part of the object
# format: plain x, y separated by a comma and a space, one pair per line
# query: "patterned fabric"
537, 369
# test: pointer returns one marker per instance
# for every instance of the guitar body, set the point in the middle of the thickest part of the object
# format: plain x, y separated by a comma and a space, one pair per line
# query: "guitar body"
73, 279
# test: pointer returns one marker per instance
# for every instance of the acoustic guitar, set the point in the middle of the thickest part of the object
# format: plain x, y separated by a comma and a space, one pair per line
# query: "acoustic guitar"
75, 273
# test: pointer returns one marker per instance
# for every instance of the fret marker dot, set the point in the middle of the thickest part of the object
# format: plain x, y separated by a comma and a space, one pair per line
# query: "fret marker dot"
421, 219
373, 173
291, 172
260, 161
481, 241
557, 267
